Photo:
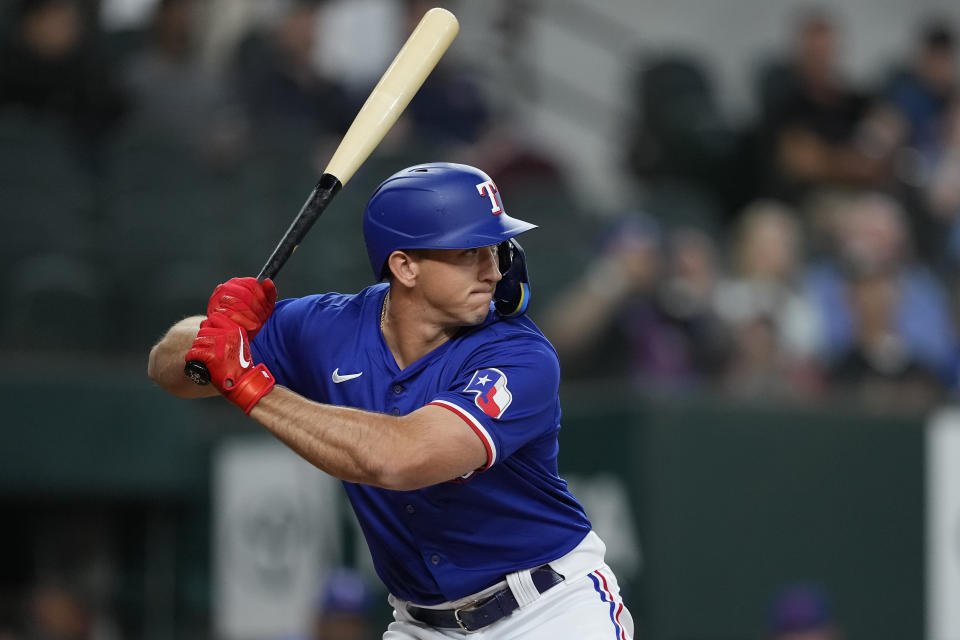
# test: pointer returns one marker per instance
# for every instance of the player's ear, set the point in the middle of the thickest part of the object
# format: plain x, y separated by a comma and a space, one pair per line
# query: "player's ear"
404, 266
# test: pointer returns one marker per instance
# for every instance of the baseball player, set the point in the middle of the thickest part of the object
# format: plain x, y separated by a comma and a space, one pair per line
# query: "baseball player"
434, 399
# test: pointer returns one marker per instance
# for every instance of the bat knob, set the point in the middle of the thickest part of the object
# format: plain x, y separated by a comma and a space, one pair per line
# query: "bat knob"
197, 372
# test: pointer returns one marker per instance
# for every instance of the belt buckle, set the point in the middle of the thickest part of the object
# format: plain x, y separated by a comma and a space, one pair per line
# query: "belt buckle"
456, 615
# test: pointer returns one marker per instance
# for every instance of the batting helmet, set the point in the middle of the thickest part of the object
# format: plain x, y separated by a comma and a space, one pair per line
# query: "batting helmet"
435, 206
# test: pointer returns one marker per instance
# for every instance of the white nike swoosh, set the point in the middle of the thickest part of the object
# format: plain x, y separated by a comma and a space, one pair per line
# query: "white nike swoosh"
337, 378
243, 361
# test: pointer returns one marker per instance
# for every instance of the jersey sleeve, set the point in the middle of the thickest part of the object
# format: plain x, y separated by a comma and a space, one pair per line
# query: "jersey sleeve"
508, 400
277, 343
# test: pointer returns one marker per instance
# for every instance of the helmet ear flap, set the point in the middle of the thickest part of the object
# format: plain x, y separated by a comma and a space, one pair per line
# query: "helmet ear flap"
512, 295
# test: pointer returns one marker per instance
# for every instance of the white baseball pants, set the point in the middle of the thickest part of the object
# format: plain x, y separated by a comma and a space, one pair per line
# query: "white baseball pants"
585, 606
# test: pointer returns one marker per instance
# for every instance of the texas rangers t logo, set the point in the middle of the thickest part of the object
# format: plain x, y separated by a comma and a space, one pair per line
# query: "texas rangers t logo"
487, 188
493, 396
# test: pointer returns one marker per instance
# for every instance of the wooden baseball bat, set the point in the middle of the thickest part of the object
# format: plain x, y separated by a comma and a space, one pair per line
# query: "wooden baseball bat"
402, 79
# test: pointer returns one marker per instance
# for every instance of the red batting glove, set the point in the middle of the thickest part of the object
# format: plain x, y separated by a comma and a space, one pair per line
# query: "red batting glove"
224, 347
246, 301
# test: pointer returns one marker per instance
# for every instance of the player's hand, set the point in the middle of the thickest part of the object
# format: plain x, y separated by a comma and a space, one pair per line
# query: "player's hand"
245, 301
224, 346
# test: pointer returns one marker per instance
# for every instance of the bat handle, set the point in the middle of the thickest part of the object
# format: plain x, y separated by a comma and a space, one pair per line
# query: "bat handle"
197, 372
323, 192
327, 187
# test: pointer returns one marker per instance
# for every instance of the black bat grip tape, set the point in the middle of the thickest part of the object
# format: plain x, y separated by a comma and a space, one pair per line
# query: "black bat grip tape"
327, 187
197, 372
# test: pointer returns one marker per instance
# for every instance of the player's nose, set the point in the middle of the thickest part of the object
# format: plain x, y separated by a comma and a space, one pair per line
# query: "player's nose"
490, 267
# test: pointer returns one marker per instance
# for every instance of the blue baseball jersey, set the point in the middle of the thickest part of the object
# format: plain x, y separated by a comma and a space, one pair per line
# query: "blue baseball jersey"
449, 540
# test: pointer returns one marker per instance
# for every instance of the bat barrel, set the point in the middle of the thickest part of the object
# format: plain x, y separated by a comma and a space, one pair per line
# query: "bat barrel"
402, 79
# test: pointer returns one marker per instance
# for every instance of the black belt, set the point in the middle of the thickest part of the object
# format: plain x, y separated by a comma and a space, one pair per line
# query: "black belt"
483, 612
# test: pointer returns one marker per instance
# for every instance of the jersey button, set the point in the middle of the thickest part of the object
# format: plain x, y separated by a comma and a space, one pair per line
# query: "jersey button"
435, 559
410, 508
398, 389
394, 411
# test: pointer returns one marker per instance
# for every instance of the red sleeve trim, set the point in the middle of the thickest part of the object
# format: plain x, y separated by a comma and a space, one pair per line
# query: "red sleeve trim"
478, 429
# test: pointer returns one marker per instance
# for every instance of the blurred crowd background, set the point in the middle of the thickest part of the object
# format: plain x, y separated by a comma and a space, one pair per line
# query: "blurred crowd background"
809, 250
799, 251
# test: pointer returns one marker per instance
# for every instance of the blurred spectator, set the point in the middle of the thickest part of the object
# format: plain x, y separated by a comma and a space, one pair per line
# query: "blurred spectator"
913, 128
778, 332
171, 91
759, 369
814, 126
879, 371
279, 83
644, 310
922, 94
48, 67
584, 324
801, 612
689, 343
873, 235
943, 193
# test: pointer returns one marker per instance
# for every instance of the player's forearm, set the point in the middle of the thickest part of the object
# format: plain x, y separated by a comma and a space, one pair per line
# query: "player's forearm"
349, 444
165, 365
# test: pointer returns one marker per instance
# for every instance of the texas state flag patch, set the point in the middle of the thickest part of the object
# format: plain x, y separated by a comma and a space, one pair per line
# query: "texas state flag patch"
493, 396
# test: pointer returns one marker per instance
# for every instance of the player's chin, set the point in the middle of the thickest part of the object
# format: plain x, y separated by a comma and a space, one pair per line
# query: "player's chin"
475, 319
477, 309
